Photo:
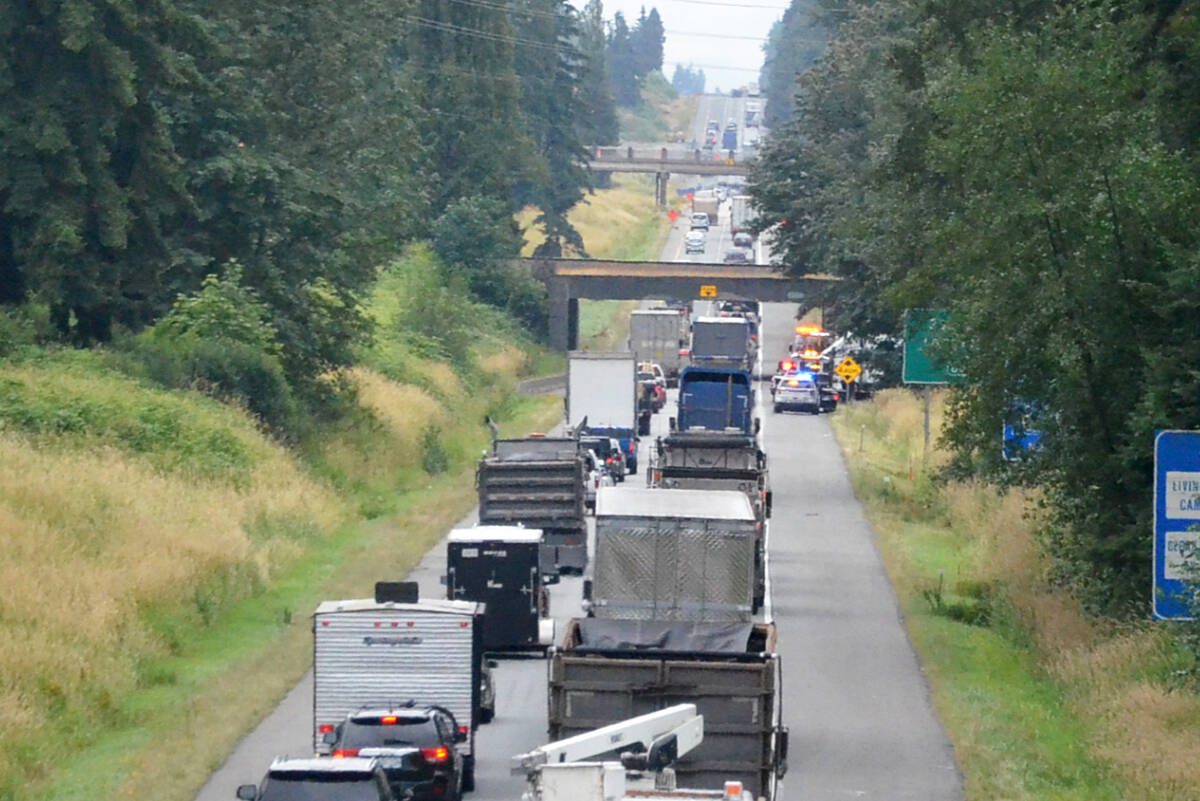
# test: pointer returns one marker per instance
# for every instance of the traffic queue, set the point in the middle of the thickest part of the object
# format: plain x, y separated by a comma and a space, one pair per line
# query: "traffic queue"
674, 590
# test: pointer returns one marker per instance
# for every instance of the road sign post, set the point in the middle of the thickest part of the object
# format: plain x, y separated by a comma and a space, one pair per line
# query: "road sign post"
1176, 524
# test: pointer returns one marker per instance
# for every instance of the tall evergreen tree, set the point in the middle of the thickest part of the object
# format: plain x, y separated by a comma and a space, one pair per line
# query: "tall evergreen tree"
550, 81
622, 64
459, 63
598, 125
647, 38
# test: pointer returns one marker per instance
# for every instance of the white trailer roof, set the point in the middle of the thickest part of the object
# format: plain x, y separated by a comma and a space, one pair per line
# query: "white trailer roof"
427, 605
723, 320
496, 533
690, 504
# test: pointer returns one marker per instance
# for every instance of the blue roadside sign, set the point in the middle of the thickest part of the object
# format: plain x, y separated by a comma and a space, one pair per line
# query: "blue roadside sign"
1176, 524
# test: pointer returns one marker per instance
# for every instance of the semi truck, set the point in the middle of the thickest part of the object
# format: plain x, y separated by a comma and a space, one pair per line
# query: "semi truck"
397, 647
722, 342
537, 482
606, 671
706, 201
677, 555
602, 398
660, 336
740, 213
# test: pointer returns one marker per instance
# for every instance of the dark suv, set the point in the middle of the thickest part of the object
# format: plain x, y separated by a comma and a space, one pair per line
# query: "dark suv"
415, 746
321, 780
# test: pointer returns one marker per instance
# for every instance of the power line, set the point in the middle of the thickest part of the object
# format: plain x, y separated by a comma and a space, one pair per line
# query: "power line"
716, 35
752, 70
727, 5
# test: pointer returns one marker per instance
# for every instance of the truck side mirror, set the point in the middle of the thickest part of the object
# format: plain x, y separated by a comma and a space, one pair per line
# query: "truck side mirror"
770, 500
247, 792
757, 424
587, 589
671, 423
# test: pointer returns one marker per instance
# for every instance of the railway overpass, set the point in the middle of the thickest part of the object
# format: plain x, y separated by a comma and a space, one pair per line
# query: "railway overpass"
662, 161
569, 280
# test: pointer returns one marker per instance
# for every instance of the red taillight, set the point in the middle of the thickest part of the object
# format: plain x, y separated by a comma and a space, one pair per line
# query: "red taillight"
388, 720
464, 729
462, 624
439, 754
684, 352
631, 446
837, 397
609, 460
345, 752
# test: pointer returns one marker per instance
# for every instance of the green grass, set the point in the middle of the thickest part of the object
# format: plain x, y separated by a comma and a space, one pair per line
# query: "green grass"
227, 676
1016, 732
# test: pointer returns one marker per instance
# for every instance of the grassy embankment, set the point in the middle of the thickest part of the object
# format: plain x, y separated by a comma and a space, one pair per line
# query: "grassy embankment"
162, 554
618, 223
1041, 701
663, 112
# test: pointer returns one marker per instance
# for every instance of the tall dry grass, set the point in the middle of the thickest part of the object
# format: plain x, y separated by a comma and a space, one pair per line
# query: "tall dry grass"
1132, 685
96, 541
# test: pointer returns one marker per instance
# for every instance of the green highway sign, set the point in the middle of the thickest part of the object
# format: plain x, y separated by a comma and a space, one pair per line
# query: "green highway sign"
921, 330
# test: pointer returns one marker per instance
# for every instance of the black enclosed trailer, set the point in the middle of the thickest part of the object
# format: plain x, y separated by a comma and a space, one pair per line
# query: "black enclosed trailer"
499, 566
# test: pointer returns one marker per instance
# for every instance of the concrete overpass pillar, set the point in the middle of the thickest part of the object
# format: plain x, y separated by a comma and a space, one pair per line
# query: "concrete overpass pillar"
660, 188
564, 317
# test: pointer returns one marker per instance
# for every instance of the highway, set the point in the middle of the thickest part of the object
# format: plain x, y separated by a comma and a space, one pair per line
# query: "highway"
855, 698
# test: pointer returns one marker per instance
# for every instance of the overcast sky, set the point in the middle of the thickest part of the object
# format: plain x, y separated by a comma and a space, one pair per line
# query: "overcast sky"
723, 24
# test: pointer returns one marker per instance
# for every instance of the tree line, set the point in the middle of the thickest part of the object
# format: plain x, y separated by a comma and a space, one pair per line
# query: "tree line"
1033, 169
291, 148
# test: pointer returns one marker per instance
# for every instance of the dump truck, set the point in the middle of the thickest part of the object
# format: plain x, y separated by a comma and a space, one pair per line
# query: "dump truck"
606, 671
660, 336
677, 555
712, 446
537, 482
722, 342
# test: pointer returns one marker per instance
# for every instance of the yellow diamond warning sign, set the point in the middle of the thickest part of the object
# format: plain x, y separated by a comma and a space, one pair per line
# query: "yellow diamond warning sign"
708, 290
848, 370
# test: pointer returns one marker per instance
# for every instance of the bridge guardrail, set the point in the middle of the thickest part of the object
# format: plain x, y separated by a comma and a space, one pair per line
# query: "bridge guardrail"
664, 154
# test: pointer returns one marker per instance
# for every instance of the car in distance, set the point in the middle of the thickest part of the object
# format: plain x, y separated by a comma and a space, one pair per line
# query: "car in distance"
694, 241
743, 240
799, 392
737, 256
355, 779
700, 221
387, 731
595, 476
609, 451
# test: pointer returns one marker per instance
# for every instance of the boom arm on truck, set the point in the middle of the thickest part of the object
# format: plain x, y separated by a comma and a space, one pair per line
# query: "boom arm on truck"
560, 771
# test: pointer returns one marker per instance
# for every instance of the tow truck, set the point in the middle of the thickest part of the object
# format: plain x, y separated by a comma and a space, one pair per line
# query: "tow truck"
573, 769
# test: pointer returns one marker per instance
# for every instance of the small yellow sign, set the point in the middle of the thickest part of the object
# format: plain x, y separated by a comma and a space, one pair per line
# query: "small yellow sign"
848, 370
708, 290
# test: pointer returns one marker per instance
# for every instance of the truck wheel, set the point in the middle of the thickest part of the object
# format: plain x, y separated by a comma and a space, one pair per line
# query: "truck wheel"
468, 777
486, 715
777, 408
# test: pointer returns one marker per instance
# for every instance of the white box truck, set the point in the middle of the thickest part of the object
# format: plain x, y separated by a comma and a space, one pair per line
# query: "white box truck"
373, 650
658, 335
602, 389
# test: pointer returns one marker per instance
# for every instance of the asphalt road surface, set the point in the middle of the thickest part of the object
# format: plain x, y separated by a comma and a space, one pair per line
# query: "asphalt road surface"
855, 698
